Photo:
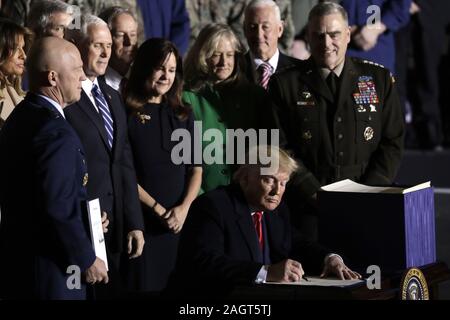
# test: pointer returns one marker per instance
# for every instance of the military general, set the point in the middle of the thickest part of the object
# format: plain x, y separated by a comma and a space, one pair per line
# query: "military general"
340, 116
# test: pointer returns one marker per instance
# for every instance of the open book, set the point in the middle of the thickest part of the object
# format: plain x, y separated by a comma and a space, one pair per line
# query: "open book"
351, 186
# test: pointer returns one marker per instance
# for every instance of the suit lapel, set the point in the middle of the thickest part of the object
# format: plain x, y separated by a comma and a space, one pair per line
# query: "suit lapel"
274, 225
313, 79
87, 107
284, 61
249, 68
246, 226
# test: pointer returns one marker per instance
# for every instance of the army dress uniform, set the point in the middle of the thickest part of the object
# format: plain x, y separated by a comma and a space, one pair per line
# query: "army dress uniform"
363, 138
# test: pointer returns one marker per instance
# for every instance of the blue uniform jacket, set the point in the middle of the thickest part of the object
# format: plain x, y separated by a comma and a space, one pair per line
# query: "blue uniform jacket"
166, 19
42, 198
394, 14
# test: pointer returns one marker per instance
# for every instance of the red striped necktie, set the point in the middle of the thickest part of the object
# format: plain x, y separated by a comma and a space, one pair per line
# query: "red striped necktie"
264, 71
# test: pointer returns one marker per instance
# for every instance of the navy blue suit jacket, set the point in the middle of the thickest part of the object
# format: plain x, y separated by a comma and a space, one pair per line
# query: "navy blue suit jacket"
219, 248
112, 177
42, 200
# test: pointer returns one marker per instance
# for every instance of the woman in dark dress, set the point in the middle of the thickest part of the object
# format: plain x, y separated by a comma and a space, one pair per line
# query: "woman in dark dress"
166, 189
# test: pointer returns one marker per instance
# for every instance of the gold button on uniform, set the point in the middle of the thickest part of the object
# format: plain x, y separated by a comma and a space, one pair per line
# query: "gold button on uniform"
307, 135
85, 179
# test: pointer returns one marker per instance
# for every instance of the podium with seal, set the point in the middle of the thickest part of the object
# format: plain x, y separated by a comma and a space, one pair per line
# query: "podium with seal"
414, 285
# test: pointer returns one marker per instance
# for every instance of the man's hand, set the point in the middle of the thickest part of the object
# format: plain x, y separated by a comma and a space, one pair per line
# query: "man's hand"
97, 272
285, 271
105, 222
334, 264
135, 239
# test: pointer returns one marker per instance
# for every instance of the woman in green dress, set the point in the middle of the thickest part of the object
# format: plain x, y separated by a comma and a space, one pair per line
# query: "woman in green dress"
221, 98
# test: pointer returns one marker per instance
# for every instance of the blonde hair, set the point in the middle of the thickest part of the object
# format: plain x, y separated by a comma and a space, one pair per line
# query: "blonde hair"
196, 70
254, 159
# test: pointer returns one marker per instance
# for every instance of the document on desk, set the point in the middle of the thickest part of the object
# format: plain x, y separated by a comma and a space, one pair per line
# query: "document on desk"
323, 282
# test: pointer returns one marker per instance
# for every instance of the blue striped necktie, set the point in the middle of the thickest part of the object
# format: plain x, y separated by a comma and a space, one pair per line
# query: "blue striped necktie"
103, 109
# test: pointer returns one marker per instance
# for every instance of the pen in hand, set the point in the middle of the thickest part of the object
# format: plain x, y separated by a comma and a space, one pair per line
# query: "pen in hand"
305, 278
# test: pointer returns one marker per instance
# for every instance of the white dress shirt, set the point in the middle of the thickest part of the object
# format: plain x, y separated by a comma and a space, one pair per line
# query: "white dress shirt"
273, 62
113, 78
87, 88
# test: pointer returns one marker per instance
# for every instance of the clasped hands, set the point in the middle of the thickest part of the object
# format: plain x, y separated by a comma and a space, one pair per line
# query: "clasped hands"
173, 218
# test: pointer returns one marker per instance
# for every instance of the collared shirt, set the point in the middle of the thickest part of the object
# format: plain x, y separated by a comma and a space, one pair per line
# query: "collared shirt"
87, 88
273, 62
324, 72
53, 103
113, 78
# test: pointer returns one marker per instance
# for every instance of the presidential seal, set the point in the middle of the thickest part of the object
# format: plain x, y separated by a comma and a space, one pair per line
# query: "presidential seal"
414, 285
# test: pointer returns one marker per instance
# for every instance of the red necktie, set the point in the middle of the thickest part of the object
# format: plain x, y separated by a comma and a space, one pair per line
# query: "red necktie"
257, 220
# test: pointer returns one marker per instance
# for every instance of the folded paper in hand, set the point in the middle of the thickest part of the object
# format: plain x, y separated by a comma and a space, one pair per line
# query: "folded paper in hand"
95, 224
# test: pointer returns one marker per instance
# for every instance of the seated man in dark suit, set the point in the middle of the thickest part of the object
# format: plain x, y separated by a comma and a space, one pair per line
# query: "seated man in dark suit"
43, 240
241, 234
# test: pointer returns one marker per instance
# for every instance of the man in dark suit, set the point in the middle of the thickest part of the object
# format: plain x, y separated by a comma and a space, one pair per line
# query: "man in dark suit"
100, 121
340, 116
241, 234
263, 27
43, 239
